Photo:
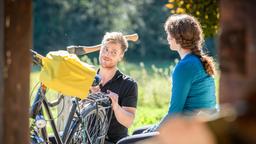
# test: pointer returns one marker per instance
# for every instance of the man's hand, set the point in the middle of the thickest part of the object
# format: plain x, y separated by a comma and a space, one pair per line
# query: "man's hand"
95, 89
124, 115
114, 99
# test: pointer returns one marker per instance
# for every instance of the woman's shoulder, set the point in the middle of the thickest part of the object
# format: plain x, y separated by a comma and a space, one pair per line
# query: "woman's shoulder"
190, 65
183, 68
191, 58
188, 62
191, 61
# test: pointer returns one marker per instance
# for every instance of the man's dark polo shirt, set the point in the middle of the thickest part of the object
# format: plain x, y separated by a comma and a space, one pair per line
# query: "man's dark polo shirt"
127, 90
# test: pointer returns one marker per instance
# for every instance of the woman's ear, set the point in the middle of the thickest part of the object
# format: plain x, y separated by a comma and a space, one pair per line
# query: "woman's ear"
175, 44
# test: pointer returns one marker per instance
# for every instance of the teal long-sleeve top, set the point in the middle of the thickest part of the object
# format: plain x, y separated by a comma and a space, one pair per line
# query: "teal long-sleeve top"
192, 87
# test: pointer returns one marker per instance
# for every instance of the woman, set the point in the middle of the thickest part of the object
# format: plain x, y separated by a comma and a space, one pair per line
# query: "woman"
193, 87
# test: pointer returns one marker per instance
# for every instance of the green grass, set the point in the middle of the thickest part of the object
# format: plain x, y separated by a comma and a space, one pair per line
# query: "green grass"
154, 89
148, 115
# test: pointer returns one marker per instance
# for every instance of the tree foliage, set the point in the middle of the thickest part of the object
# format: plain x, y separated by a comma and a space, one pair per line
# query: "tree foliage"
60, 23
206, 11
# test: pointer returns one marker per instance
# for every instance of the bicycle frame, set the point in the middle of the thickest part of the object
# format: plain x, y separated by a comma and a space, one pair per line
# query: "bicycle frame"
72, 123
74, 118
39, 101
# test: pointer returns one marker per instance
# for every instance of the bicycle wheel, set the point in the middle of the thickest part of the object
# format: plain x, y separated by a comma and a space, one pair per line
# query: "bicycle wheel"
93, 127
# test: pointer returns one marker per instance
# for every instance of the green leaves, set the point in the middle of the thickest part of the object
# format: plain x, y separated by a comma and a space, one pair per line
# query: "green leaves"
206, 11
60, 23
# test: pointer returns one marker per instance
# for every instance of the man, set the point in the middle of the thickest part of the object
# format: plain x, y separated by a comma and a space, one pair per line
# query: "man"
121, 89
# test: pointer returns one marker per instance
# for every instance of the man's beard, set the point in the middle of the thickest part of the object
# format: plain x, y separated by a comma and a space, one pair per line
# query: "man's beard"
107, 66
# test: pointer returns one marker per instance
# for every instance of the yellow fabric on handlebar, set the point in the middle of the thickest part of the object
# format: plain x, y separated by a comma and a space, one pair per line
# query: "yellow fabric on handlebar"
65, 73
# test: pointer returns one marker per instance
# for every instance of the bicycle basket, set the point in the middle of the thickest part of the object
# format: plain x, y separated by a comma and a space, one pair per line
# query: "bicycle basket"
65, 73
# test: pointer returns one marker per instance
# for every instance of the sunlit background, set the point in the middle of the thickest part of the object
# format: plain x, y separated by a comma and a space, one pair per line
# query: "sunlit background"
60, 23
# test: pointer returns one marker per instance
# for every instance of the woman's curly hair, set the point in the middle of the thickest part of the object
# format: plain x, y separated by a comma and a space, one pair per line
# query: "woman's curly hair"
187, 32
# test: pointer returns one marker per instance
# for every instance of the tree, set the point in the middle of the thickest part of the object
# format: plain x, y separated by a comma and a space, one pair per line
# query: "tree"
206, 11
58, 24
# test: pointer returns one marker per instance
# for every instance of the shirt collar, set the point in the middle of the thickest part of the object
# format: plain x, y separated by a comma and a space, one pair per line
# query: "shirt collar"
117, 75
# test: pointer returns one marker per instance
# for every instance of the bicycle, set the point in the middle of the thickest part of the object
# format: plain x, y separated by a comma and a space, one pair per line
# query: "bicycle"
87, 122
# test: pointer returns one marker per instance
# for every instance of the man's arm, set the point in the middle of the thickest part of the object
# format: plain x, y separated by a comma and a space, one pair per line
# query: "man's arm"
124, 115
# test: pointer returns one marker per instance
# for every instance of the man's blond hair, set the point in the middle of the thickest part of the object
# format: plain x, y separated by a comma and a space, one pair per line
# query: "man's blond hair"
116, 37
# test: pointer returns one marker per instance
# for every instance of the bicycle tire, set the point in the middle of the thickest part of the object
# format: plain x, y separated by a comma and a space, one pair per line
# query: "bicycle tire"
94, 124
